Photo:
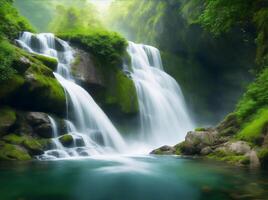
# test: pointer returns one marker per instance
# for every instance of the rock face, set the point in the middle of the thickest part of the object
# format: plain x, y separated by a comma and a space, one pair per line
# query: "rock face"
85, 71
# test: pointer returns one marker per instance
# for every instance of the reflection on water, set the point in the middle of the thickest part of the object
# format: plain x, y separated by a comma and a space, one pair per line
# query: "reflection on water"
130, 178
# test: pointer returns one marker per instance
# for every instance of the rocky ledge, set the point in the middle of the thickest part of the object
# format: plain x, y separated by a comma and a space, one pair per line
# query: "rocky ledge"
210, 143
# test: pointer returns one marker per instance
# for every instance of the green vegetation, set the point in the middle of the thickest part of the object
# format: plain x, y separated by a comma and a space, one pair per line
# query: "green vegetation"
108, 48
7, 119
11, 23
50, 62
255, 97
203, 64
13, 152
252, 130
7, 56
229, 157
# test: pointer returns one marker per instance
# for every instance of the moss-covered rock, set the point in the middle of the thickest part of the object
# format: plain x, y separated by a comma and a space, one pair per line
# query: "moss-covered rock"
50, 62
32, 145
263, 156
13, 152
67, 140
7, 119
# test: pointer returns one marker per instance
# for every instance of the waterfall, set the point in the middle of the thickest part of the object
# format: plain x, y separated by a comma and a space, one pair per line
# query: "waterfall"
163, 115
87, 119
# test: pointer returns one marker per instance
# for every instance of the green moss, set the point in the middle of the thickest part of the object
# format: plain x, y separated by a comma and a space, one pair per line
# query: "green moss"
10, 86
255, 97
7, 56
200, 129
126, 94
107, 47
232, 158
252, 130
50, 62
32, 145
14, 139
13, 152
7, 118
11, 23
67, 140
41, 87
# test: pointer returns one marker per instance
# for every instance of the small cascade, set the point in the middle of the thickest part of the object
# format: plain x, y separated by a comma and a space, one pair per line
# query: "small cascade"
163, 114
91, 130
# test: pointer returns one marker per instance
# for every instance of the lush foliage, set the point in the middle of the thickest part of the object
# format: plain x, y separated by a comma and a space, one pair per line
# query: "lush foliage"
255, 98
203, 64
7, 54
107, 47
11, 23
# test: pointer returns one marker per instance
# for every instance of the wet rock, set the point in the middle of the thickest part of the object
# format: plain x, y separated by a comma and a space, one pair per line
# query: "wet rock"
67, 140
40, 124
164, 150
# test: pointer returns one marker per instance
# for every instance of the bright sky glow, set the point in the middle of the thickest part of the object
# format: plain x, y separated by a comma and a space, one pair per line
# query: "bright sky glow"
101, 5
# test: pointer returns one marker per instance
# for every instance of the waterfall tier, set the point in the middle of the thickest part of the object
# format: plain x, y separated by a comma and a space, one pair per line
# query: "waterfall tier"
85, 117
163, 114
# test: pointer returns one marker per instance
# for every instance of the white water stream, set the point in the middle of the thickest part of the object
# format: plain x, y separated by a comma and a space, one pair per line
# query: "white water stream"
163, 115
87, 117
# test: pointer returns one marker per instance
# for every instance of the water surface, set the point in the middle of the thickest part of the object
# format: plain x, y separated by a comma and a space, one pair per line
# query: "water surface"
130, 178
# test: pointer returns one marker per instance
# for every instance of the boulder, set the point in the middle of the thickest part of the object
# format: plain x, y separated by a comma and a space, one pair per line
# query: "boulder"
195, 141
40, 124
67, 140
13, 152
164, 150
238, 147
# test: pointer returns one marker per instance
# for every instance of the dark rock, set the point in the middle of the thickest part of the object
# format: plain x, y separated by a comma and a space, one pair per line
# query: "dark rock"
22, 64
164, 150
7, 119
40, 124
37, 118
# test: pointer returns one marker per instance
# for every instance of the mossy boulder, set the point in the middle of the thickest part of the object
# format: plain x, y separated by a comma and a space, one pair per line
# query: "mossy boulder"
40, 87
7, 119
13, 152
50, 62
32, 145
67, 140
164, 150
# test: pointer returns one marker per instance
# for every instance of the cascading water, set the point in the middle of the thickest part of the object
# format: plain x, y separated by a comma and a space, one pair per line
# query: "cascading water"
163, 113
87, 117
